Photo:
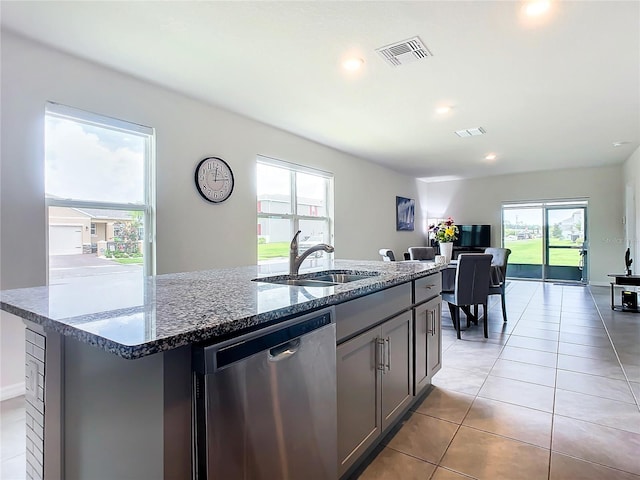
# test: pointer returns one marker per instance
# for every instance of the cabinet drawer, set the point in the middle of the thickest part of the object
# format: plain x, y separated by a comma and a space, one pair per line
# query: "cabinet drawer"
427, 287
364, 312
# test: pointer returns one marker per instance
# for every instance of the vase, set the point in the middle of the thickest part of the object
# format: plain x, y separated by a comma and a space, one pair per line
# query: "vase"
446, 249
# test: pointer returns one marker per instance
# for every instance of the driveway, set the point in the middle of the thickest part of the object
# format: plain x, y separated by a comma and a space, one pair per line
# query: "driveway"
75, 268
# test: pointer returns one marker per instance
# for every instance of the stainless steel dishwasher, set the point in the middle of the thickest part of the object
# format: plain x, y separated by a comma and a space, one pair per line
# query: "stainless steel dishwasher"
265, 403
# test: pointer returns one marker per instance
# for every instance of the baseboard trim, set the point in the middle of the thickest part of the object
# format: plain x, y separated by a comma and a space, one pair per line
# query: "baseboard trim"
11, 391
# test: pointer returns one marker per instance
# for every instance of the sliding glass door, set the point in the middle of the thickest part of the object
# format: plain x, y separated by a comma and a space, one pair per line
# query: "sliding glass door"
547, 240
565, 249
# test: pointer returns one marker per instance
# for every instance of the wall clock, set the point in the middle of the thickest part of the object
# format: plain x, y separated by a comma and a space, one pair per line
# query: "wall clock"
214, 179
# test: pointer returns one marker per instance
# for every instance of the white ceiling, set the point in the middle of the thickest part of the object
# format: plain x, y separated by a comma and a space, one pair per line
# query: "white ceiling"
550, 92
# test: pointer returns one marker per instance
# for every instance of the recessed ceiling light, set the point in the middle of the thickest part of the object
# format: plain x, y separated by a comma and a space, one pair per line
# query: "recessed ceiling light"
491, 156
535, 8
442, 110
352, 64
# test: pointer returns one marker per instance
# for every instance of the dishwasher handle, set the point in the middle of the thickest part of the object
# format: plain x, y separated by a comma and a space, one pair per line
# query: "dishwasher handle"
282, 352
279, 342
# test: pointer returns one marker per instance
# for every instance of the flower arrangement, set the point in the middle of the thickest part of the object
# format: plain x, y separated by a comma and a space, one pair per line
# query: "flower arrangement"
445, 231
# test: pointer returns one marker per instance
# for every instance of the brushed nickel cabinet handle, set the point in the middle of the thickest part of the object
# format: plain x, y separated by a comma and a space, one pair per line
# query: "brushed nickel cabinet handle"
380, 354
435, 324
388, 341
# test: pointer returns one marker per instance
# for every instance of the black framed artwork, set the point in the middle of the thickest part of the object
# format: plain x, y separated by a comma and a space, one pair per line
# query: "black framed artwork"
405, 213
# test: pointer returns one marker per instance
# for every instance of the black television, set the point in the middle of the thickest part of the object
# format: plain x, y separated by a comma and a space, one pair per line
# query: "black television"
473, 236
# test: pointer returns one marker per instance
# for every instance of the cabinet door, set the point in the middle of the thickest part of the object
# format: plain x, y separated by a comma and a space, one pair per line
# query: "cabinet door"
359, 423
397, 372
434, 338
421, 325
427, 341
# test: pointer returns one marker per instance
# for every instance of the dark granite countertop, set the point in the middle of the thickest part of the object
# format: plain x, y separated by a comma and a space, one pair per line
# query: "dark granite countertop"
136, 317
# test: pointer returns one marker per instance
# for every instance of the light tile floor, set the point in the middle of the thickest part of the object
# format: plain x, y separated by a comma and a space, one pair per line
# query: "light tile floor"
12, 439
553, 394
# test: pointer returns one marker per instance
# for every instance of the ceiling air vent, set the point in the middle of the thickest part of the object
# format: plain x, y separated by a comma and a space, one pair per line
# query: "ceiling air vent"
404, 52
471, 132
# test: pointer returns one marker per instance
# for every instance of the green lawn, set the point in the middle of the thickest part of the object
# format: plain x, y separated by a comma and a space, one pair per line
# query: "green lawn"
273, 250
530, 252
522, 251
128, 261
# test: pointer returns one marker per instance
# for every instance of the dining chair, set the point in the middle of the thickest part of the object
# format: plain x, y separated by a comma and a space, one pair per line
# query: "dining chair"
387, 255
422, 253
471, 287
499, 275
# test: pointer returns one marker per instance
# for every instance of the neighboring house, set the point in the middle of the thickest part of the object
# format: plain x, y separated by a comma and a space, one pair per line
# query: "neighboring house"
78, 230
277, 230
571, 227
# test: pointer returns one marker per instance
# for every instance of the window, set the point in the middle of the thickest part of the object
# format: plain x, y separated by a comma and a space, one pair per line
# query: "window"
99, 193
291, 198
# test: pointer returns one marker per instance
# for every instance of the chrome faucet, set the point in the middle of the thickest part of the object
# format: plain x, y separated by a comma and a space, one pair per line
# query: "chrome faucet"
296, 260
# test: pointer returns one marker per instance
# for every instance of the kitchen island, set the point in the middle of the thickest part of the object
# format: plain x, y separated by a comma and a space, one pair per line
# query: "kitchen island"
109, 366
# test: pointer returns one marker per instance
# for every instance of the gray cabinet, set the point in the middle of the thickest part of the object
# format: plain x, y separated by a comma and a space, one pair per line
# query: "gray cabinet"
375, 384
434, 339
397, 382
428, 342
359, 422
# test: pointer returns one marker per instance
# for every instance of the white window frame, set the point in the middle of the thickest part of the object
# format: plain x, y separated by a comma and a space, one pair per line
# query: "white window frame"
148, 207
293, 217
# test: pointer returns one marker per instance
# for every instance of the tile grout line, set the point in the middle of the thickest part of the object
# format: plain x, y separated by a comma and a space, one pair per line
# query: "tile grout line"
475, 397
615, 351
555, 389
578, 419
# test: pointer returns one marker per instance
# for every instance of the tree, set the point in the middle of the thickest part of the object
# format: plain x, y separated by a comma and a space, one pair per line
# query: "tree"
129, 232
556, 231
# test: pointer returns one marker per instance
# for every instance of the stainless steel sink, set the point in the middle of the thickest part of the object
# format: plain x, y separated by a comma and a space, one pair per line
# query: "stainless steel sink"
318, 279
299, 282
342, 277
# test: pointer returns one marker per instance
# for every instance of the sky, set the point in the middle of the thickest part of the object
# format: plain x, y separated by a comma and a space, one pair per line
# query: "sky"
273, 179
525, 216
533, 216
87, 162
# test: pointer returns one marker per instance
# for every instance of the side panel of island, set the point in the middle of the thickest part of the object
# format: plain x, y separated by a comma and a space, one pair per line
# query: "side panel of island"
106, 417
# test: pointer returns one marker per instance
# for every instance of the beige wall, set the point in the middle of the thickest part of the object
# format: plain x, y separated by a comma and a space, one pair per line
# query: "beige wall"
480, 201
191, 233
101, 232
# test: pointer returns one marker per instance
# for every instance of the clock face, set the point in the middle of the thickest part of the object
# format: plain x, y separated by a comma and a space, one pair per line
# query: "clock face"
214, 179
